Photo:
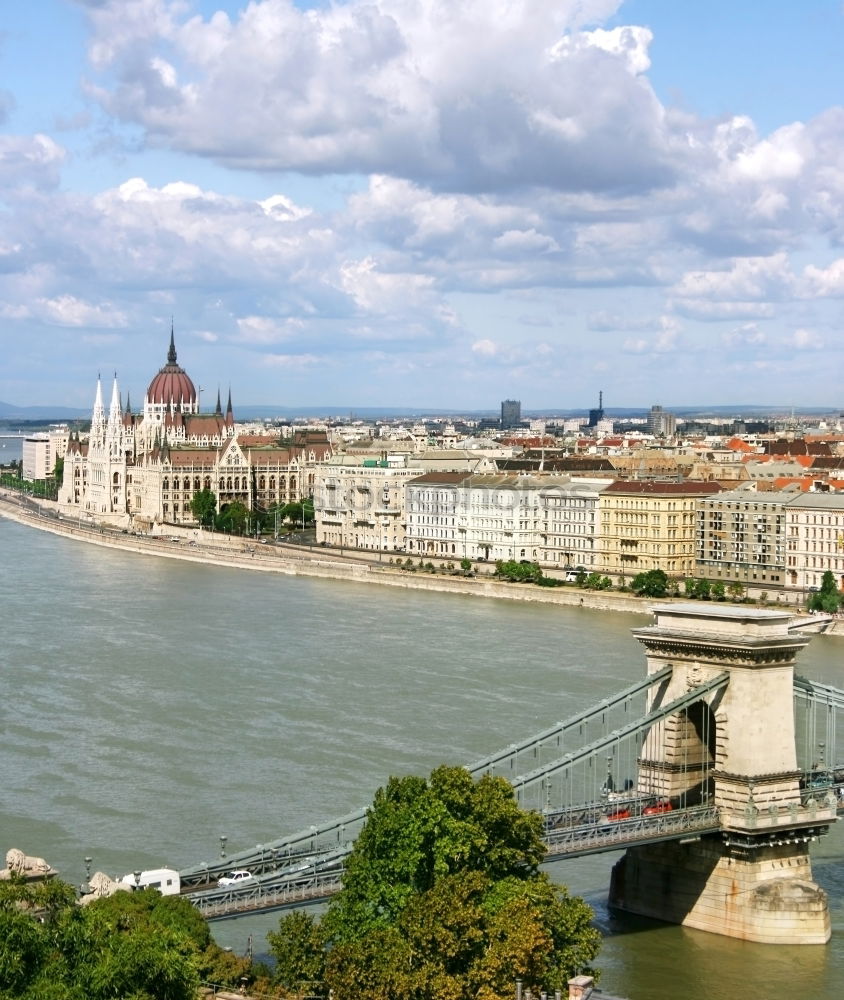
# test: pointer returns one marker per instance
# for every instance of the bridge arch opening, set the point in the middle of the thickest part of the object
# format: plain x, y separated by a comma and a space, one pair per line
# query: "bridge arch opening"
678, 757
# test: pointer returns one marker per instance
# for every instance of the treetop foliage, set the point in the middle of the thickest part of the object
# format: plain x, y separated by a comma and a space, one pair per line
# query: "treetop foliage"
442, 899
137, 946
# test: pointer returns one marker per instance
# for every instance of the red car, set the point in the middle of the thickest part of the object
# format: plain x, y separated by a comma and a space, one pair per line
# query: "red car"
616, 814
658, 807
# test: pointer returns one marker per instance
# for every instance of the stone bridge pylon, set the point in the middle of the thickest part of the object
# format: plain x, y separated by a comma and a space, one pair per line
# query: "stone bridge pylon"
736, 749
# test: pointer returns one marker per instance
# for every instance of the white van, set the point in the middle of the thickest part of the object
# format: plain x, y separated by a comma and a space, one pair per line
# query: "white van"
166, 880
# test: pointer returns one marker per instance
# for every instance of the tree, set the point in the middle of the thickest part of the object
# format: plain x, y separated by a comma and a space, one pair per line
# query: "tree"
203, 506
735, 591
518, 572
594, 581
442, 898
653, 583
299, 951
698, 589
299, 512
828, 598
718, 591
232, 518
137, 945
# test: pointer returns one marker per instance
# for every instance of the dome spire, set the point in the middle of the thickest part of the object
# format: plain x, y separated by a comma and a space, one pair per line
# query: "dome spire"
171, 354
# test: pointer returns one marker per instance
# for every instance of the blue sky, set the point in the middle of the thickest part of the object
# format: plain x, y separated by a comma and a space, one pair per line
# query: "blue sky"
430, 203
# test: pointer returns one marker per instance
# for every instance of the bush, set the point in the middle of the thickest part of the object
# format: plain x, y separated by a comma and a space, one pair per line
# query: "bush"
518, 572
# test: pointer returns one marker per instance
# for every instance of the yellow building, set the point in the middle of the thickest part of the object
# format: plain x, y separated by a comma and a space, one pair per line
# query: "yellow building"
650, 525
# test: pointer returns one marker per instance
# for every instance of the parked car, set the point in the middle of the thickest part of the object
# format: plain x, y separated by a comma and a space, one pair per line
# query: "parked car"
237, 877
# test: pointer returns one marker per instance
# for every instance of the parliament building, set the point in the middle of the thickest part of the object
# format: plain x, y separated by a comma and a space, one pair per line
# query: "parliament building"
139, 470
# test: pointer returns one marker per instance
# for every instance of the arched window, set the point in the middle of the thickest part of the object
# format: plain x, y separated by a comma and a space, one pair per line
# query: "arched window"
207, 482
262, 483
272, 482
196, 485
237, 482
229, 483
166, 484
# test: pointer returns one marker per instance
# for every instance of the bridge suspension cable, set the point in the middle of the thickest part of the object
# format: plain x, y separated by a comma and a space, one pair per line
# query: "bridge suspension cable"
339, 834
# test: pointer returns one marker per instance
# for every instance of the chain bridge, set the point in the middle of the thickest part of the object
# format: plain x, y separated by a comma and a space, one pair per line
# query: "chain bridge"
714, 773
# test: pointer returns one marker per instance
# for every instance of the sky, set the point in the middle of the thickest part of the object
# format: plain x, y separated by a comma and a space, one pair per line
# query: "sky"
424, 203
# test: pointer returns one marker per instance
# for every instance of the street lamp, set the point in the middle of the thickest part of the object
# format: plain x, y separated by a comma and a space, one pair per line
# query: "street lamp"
223, 839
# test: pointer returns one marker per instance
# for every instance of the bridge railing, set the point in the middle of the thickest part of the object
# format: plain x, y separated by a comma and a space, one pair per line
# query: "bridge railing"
607, 835
814, 805
265, 896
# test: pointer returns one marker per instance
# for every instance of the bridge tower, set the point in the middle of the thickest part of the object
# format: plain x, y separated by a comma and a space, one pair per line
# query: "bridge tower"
735, 748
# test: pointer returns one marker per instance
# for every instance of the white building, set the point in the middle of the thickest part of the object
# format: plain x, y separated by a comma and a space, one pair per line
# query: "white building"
571, 526
551, 520
814, 525
40, 452
145, 469
360, 503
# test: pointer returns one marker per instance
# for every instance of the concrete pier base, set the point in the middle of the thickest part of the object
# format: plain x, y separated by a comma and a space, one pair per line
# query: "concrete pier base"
765, 895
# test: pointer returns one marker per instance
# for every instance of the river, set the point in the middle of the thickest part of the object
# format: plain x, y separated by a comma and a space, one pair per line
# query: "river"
149, 706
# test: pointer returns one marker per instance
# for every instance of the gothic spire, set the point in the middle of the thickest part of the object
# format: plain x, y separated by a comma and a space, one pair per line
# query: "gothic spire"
171, 354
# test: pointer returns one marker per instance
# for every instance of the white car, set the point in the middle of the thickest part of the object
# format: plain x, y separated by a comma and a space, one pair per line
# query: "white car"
235, 878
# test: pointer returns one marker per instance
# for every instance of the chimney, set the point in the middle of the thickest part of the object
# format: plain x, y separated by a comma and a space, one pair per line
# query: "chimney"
580, 988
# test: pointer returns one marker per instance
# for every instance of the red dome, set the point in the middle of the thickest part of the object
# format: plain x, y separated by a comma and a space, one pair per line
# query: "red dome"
172, 384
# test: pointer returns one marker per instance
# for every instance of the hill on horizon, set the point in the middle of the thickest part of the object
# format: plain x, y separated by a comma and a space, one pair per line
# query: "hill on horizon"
9, 411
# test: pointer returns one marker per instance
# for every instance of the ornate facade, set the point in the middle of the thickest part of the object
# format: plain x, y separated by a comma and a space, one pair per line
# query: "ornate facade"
144, 469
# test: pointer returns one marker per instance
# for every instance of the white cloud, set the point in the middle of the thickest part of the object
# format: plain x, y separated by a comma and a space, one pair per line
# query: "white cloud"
748, 334
33, 161
746, 289
665, 342
293, 361
522, 241
267, 330
374, 290
485, 348
806, 340
67, 310
481, 95
822, 282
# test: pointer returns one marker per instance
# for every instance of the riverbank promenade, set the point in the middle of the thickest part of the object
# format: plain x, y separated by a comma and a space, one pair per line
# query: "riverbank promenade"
294, 559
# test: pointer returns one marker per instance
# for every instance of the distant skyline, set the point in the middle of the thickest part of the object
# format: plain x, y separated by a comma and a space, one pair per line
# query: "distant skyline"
424, 204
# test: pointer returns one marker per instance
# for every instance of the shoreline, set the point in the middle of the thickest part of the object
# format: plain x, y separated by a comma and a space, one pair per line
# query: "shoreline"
287, 559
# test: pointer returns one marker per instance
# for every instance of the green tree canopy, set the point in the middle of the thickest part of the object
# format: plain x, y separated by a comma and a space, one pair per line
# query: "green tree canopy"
137, 945
653, 583
518, 572
203, 506
442, 899
232, 518
828, 598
